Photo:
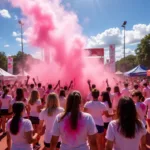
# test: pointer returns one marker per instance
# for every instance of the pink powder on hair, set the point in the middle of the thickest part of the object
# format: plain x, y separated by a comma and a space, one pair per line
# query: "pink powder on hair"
69, 132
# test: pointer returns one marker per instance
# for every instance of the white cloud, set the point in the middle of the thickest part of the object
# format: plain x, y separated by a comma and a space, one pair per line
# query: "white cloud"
115, 36
4, 13
19, 40
15, 34
6, 45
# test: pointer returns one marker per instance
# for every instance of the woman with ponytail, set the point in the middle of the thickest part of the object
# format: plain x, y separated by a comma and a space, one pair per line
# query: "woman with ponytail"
141, 108
19, 130
5, 101
20, 98
127, 132
74, 127
48, 116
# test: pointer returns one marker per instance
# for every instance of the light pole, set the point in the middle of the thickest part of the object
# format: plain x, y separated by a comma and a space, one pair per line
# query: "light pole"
124, 27
21, 27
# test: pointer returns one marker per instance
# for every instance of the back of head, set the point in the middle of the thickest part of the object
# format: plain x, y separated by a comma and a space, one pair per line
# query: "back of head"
139, 95
126, 85
65, 88
145, 84
73, 107
95, 93
62, 93
136, 86
5, 92
106, 98
32, 86
50, 86
93, 86
127, 117
19, 94
108, 89
18, 109
52, 103
34, 97
39, 85
116, 89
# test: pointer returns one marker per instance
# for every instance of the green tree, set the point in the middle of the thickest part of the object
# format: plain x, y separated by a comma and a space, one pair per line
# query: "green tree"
143, 51
3, 61
126, 64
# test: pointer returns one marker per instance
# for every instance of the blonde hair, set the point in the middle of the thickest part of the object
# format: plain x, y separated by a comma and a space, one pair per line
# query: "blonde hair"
34, 97
52, 103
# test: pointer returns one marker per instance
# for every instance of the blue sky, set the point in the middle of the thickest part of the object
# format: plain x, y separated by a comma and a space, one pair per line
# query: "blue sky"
98, 18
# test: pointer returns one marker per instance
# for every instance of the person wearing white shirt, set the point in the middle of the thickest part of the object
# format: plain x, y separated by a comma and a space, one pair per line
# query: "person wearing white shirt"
147, 103
41, 91
62, 98
48, 116
140, 106
19, 130
127, 132
5, 101
97, 109
146, 91
74, 127
116, 98
125, 91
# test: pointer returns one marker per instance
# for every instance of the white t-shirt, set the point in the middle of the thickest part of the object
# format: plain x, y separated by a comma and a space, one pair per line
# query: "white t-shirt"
116, 98
49, 121
62, 101
25, 103
6, 101
41, 92
110, 111
125, 92
74, 139
33, 108
141, 111
96, 109
147, 91
147, 103
121, 142
19, 141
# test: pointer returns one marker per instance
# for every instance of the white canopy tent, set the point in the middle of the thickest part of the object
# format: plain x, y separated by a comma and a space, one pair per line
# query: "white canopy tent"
6, 76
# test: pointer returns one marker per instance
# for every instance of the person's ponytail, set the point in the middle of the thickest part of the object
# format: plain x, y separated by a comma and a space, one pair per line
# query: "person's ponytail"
18, 108
5, 93
75, 111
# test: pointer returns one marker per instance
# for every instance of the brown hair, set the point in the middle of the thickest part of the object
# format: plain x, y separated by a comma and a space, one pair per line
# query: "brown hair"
34, 97
52, 103
73, 107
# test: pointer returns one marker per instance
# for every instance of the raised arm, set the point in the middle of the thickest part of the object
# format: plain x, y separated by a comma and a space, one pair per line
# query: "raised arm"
89, 83
28, 77
14, 84
70, 85
34, 81
57, 85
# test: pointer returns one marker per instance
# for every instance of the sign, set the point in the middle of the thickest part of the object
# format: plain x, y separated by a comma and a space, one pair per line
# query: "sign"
97, 52
112, 58
10, 64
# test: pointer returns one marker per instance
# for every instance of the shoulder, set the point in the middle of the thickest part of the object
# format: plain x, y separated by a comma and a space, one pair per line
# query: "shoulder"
88, 103
86, 115
26, 122
113, 123
60, 109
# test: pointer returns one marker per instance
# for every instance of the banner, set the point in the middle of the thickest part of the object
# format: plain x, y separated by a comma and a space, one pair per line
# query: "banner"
112, 58
97, 52
10, 64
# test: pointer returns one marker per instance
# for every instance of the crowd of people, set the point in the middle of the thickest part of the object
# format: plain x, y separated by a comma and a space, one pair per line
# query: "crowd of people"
115, 119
